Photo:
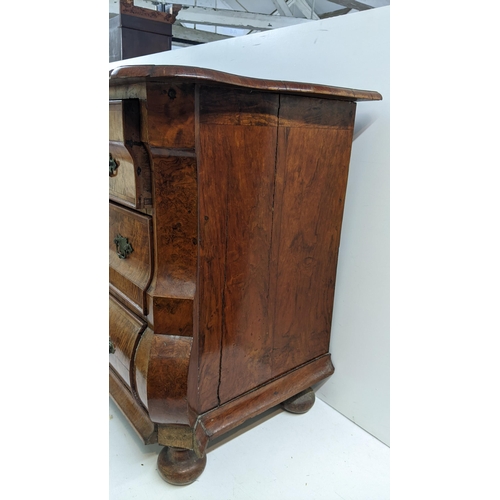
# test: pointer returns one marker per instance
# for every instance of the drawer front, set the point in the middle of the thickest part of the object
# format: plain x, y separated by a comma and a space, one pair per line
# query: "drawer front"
124, 120
124, 331
130, 254
129, 169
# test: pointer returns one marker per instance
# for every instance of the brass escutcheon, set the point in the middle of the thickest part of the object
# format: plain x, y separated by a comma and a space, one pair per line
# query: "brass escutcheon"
113, 165
123, 247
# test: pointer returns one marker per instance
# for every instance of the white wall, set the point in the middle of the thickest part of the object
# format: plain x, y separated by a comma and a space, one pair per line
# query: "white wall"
348, 51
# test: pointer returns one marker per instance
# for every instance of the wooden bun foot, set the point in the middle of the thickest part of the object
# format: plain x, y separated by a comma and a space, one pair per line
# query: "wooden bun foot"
301, 402
179, 466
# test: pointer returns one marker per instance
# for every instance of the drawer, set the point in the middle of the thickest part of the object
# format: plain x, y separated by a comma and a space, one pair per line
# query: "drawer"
130, 255
129, 169
124, 331
124, 120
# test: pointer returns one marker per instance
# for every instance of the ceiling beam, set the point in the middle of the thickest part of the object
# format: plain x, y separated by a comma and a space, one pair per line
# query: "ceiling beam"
283, 8
306, 9
236, 5
352, 4
335, 13
235, 19
192, 35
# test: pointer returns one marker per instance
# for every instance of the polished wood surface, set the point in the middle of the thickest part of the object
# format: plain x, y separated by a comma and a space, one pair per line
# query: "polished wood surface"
180, 466
171, 293
141, 366
222, 419
170, 115
130, 182
136, 415
301, 402
167, 378
233, 267
131, 275
152, 72
124, 331
309, 201
237, 153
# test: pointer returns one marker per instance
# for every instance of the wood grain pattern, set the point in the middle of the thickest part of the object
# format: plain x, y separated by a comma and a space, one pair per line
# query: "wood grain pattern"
131, 275
310, 190
189, 73
178, 436
122, 185
170, 115
141, 365
124, 331
135, 414
129, 91
204, 368
228, 416
245, 143
131, 182
316, 113
180, 466
116, 132
247, 336
222, 106
124, 119
167, 379
234, 263
171, 293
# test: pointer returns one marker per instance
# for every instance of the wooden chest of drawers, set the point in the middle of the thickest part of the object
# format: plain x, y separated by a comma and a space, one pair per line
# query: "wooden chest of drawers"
226, 202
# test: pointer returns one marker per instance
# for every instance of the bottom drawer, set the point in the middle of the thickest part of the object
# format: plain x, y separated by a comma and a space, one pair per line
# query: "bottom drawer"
124, 331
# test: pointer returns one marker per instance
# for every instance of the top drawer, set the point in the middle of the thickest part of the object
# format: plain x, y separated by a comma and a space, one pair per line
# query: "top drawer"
129, 170
124, 120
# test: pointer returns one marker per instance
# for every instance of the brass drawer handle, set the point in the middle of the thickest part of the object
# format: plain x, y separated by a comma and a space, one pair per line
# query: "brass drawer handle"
123, 247
111, 347
113, 165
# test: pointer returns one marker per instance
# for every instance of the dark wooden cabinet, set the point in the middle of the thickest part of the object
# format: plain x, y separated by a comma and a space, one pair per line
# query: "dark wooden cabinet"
226, 203
138, 31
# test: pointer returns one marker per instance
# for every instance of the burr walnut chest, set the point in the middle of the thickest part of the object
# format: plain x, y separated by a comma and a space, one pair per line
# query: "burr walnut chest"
226, 201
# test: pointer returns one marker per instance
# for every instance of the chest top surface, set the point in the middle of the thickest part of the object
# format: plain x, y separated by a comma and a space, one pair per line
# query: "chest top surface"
130, 74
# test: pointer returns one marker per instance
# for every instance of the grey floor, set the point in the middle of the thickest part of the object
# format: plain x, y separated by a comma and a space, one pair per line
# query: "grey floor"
318, 455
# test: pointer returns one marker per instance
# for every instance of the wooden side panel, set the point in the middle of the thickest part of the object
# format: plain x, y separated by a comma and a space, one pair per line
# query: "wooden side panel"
312, 166
236, 155
247, 338
131, 276
212, 181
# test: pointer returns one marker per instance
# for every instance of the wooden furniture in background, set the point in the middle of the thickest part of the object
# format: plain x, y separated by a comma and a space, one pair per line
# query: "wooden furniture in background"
137, 31
226, 203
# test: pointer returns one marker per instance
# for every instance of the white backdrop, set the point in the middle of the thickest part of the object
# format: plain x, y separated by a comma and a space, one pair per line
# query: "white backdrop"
348, 51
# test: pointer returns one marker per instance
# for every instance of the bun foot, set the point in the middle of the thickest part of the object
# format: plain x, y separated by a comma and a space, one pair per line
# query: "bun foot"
180, 466
301, 402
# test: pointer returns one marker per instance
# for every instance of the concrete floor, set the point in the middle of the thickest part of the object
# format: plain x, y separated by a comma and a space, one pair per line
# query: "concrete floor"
318, 455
